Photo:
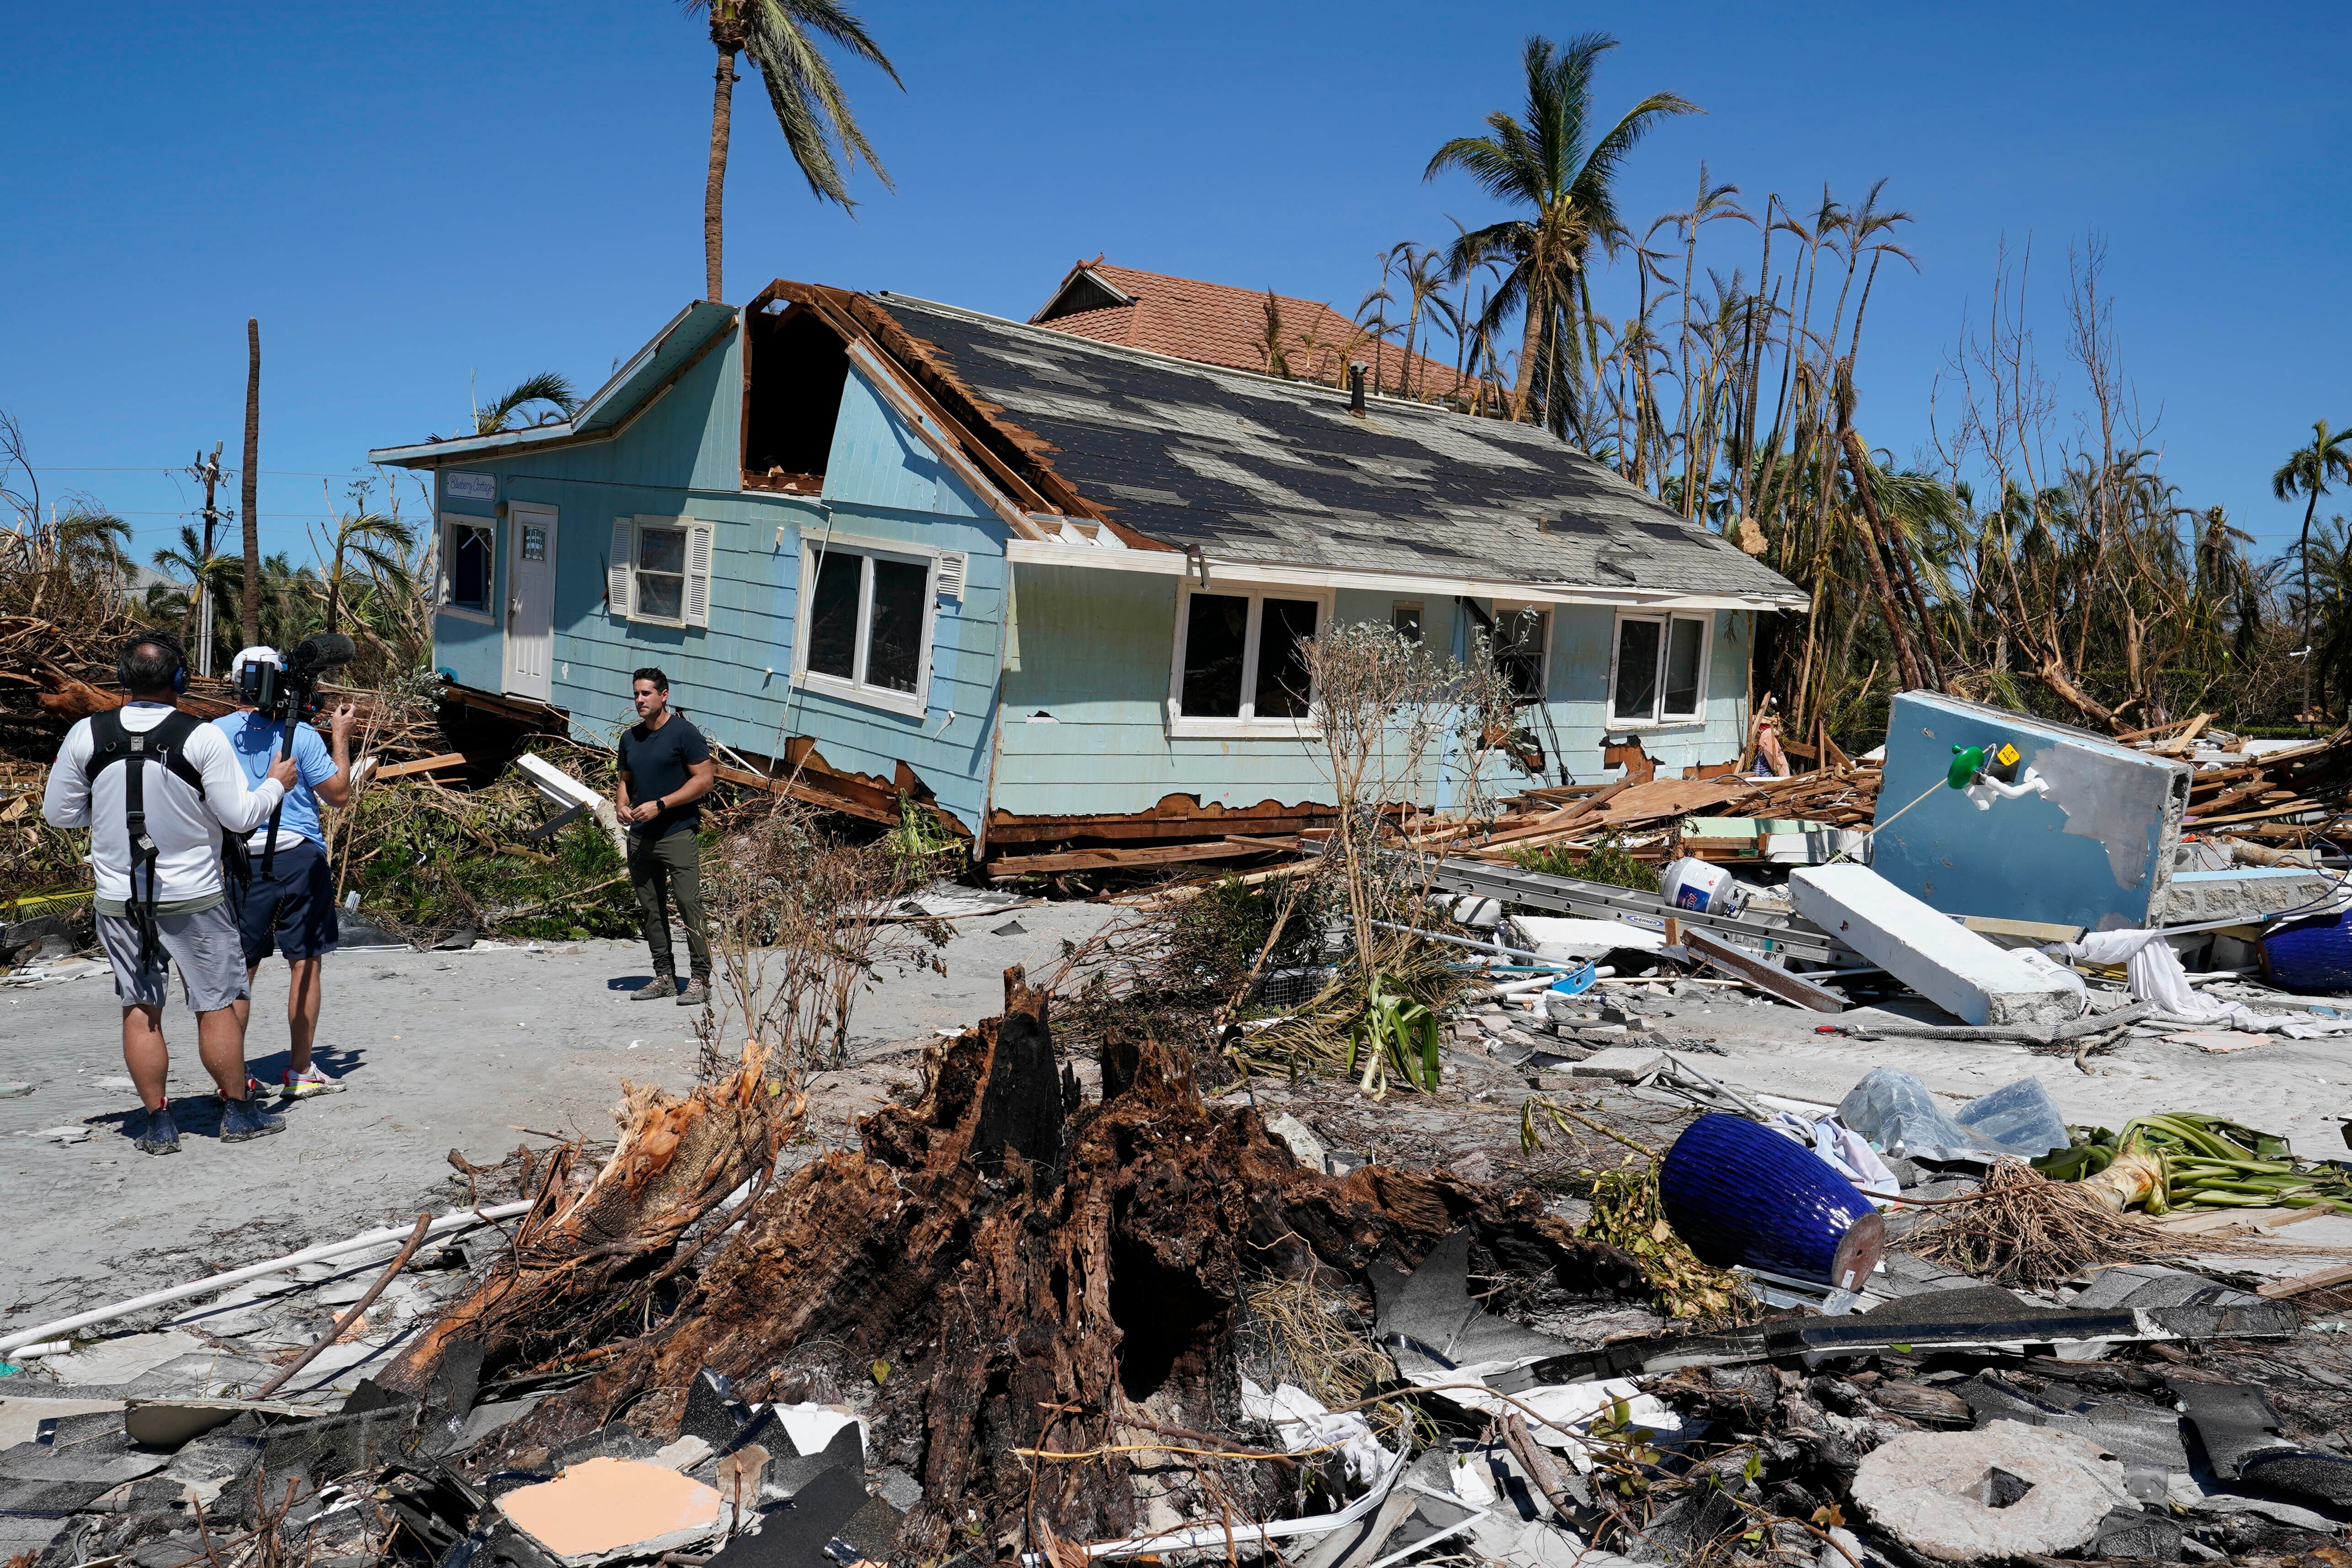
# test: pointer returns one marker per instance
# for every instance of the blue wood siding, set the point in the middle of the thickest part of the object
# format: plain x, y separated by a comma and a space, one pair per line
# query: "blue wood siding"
734, 677
1084, 714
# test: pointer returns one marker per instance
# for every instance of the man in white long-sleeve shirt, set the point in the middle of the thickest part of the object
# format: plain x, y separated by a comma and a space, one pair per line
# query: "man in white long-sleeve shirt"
161, 900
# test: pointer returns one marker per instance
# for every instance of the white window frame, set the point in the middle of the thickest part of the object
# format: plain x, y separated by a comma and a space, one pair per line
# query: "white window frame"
915, 703
1510, 609
620, 570
451, 521
1663, 620
1247, 725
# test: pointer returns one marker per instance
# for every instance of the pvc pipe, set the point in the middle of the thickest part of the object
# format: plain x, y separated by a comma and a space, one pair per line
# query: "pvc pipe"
1520, 988
1494, 947
390, 1237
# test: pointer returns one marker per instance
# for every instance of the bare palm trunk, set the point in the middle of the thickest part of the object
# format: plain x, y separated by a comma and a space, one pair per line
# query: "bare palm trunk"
249, 483
2302, 712
714, 188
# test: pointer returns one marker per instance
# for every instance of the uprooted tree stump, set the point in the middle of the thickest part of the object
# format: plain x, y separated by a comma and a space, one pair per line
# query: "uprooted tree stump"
1017, 1280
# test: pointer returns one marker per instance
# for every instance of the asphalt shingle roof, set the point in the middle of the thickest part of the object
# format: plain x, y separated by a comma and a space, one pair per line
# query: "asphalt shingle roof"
1274, 472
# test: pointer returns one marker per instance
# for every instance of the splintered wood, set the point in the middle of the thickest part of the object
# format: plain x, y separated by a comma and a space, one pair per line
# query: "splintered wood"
1038, 1275
586, 1235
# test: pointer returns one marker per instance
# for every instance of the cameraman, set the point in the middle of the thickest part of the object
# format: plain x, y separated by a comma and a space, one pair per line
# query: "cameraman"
293, 908
156, 816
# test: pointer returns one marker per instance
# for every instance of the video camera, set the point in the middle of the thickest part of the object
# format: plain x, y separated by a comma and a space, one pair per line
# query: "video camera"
287, 690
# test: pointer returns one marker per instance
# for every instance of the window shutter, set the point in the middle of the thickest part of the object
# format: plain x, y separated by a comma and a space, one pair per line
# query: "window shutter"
618, 571
698, 574
952, 566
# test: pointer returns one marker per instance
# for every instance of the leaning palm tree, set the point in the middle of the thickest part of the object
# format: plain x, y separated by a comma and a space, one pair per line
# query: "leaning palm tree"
547, 387
1550, 165
2305, 473
367, 547
813, 115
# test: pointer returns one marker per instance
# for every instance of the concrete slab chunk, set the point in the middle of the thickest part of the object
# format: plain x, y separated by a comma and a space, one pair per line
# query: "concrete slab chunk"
1937, 1491
1619, 1064
1945, 961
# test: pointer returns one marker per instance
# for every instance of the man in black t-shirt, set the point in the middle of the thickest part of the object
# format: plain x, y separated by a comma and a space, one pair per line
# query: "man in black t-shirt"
665, 768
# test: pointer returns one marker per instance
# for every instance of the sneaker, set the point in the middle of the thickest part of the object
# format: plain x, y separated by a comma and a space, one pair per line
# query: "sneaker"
309, 1081
660, 988
242, 1120
161, 1137
696, 995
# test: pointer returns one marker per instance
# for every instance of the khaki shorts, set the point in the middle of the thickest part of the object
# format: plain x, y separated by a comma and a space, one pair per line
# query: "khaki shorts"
205, 946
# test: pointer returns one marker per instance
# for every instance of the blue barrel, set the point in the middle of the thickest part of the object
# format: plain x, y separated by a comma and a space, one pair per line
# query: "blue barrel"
2310, 955
1741, 1194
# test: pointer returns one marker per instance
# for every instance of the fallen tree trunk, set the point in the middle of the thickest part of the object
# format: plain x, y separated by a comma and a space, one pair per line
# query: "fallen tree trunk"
1012, 1281
586, 1237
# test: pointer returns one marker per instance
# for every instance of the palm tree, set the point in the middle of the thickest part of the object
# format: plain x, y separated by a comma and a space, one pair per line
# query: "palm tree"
1423, 272
811, 110
381, 546
2305, 473
1550, 165
1270, 339
545, 387
219, 577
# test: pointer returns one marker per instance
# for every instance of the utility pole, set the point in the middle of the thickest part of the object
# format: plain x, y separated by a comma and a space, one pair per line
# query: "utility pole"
208, 470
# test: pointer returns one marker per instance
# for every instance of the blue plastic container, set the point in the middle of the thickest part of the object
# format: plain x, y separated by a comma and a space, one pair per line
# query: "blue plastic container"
1576, 981
1741, 1194
2312, 955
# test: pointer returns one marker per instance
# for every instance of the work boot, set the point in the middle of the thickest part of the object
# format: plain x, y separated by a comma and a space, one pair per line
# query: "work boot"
696, 992
241, 1120
161, 1137
660, 988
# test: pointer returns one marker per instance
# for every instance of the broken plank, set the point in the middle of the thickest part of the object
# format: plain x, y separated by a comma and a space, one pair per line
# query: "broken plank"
1746, 965
2341, 1274
422, 765
799, 789
1006, 866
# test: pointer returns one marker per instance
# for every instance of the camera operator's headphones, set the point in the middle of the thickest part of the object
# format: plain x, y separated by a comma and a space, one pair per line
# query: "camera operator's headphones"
161, 638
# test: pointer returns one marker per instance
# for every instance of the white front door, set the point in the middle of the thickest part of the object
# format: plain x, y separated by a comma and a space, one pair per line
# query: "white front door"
530, 598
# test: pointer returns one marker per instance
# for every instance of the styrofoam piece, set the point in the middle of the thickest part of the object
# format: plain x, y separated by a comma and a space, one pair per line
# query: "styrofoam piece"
1945, 961
1562, 939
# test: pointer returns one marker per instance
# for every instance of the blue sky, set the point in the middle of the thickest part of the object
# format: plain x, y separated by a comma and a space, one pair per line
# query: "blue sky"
411, 197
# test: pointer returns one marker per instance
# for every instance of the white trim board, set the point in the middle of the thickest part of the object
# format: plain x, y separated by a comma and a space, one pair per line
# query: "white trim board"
1170, 563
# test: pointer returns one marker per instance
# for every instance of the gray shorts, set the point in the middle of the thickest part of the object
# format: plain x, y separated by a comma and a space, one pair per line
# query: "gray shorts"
205, 946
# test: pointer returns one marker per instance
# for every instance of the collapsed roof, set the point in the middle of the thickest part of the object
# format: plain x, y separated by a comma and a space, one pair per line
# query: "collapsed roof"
1253, 468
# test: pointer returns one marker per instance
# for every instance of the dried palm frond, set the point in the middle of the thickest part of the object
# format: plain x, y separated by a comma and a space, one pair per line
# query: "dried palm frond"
2022, 1229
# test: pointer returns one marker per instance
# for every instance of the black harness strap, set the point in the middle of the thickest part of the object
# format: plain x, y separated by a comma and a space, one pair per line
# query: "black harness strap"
113, 742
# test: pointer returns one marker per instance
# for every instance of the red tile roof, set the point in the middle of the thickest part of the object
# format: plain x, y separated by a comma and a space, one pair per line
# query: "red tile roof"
1216, 323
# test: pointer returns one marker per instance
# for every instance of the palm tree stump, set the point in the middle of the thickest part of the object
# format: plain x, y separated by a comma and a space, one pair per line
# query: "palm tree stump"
1006, 1276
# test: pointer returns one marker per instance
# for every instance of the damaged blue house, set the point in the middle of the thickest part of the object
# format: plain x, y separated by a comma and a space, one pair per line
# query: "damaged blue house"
1051, 587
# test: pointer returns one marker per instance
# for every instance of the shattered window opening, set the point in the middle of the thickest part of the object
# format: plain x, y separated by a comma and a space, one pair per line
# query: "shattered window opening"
1522, 641
470, 569
1659, 672
1241, 661
868, 623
